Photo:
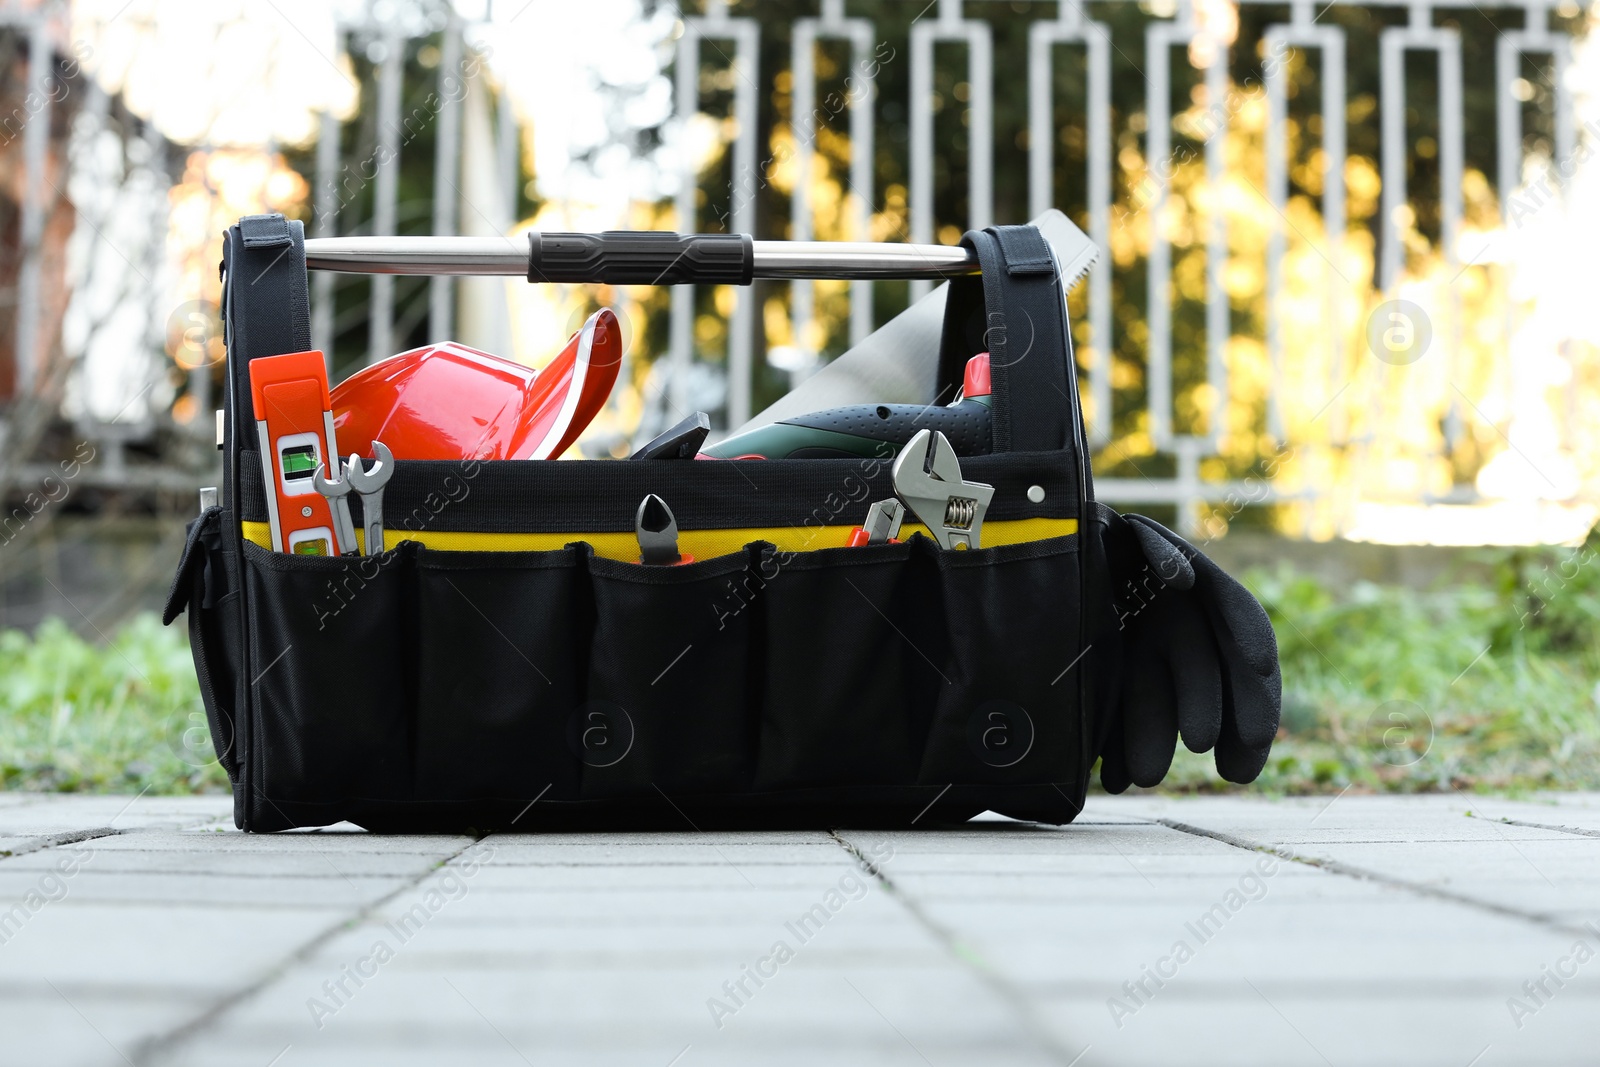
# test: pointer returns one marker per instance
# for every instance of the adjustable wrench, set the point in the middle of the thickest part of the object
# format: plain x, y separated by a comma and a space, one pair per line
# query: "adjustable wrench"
369, 483
927, 476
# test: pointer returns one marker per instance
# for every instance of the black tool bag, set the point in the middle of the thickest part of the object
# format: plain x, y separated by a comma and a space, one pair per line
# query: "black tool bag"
507, 666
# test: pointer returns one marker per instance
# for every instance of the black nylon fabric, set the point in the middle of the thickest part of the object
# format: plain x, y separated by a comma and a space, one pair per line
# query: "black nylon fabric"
1016, 311
266, 311
267, 308
600, 496
852, 675
202, 587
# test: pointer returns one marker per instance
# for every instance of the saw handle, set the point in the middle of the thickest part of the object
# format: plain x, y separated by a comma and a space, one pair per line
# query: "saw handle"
641, 257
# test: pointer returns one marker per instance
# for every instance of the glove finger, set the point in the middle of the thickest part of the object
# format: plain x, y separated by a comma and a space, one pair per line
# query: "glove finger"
1165, 559
1113, 767
1237, 762
1149, 720
1196, 670
1244, 639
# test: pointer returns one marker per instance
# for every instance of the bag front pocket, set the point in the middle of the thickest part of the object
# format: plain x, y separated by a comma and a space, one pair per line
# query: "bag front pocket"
331, 660
851, 663
1007, 707
669, 703
502, 638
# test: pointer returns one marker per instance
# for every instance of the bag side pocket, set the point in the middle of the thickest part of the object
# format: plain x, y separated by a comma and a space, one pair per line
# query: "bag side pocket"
201, 587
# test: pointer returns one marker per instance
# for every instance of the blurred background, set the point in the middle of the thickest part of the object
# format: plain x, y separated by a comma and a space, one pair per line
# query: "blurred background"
1339, 333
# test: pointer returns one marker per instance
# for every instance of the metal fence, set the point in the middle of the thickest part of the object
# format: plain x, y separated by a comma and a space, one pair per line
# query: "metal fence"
1073, 26
714, 37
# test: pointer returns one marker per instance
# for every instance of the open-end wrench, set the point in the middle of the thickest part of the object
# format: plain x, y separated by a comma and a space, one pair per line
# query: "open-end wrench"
369, 483
338, 494
927, 476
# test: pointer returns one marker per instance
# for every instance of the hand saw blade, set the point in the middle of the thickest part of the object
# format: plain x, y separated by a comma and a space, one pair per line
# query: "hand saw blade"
899, 362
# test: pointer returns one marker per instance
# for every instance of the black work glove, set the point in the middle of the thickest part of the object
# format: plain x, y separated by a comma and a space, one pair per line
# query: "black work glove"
1198, 658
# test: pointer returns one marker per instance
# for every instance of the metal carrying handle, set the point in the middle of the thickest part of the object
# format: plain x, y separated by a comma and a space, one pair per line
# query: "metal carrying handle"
629, 257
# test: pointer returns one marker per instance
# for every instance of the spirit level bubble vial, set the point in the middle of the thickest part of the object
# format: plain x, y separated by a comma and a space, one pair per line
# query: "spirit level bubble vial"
294, 422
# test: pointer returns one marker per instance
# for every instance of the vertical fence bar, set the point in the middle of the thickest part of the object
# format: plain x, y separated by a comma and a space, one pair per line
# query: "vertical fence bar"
680, 354
326, 224
35, 148
1277, 43
1511, 46
1218, 325
1509, 50
1452, 170
950, 26
1279, 39
1392, 103
860, 96
1333, 212
1421, 35
746, 182
507, 156
446, 169
386, 190
1071, 27
863, 184
1159, 39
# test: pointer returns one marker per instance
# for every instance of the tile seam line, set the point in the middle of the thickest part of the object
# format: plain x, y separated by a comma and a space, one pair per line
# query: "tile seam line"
146, 1051
1008, 992
1576, 831
45, 842
1346, 870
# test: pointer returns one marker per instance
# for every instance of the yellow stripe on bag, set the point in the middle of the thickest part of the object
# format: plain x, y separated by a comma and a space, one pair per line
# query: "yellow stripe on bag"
701, 544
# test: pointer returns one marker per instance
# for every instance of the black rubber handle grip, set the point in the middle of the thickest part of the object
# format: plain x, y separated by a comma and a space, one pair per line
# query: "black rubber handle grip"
641, 257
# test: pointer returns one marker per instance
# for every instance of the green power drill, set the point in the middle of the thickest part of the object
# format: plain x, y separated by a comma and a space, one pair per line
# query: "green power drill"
862, 429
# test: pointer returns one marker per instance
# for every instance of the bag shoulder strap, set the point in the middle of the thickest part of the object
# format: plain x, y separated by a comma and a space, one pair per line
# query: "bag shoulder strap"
1016, 311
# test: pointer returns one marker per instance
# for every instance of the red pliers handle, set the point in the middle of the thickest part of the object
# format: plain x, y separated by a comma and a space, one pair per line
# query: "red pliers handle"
882, 526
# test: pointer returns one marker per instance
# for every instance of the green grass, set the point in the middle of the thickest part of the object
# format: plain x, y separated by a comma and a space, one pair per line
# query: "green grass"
1488, 681
1494, 676
78, 716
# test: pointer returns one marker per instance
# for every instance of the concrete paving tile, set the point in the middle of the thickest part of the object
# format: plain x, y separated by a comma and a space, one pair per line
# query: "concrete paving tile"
269, 844
1235, 1024
70, 812
656, 1011
258, 864
793, 1046
187, 891
601, 948
741, 853
702, 876
41, 1027
142, 944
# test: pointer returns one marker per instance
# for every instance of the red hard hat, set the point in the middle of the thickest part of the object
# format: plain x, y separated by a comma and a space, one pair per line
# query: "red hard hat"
448, 401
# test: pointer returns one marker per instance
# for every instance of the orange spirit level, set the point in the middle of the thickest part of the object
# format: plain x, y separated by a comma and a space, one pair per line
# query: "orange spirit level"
294, 420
